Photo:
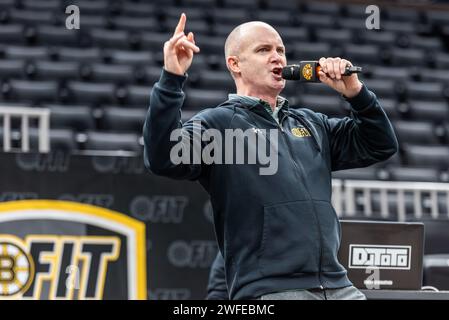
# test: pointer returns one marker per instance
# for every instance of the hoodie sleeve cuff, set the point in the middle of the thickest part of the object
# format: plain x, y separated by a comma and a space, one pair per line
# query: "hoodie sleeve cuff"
362, 100
171, 81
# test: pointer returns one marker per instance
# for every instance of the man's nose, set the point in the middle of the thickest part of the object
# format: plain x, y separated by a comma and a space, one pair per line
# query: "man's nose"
276, 57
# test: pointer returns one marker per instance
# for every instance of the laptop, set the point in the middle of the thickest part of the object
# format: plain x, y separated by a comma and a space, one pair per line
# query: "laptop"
383, 255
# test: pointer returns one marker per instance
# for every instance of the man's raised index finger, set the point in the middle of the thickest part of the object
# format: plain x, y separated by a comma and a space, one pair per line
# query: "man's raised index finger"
181, 24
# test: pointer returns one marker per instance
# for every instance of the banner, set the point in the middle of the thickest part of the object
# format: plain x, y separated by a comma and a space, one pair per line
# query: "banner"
97, 227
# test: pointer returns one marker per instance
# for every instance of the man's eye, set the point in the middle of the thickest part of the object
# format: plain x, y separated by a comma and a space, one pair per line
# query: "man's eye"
263, 50
281, 51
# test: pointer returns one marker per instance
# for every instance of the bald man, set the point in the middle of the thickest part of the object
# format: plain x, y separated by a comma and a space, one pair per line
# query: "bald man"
277, 231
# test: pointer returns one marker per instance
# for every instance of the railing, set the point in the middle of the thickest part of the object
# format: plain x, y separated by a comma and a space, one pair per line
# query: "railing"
43, 116
346, 194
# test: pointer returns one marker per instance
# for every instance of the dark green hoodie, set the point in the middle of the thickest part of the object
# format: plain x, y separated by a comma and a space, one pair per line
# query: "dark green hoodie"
276, 232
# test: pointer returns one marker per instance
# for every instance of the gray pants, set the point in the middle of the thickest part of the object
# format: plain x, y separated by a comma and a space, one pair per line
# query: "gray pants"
347, 293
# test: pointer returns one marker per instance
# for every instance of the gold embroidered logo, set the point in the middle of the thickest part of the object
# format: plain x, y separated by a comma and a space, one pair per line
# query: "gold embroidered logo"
300, 132
307, 71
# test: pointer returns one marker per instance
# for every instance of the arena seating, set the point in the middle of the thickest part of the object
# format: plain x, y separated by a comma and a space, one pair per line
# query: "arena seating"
98, 78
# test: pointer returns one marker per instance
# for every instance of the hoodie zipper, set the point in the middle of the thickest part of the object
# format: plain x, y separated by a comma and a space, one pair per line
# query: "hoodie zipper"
301, 170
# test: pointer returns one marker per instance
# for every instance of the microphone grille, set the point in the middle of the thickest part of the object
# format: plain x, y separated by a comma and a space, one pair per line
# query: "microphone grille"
291, 72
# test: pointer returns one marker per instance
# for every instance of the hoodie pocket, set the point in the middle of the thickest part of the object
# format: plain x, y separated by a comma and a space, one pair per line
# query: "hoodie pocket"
290, 239
331, 234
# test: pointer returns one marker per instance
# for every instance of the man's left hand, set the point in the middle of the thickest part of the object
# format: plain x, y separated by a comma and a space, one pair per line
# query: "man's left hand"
331, 74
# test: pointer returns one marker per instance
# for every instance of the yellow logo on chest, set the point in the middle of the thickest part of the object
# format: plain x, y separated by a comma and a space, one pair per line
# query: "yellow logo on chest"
300, 132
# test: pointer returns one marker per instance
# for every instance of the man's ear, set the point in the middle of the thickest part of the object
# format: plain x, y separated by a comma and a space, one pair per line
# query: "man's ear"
233, 64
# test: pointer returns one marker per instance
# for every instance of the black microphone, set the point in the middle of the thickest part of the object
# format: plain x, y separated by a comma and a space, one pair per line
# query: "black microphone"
307, 71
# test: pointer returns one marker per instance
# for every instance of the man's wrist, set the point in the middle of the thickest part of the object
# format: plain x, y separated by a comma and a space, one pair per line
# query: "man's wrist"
354, 92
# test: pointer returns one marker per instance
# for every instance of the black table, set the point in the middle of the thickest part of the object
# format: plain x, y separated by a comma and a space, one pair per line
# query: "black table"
405, 295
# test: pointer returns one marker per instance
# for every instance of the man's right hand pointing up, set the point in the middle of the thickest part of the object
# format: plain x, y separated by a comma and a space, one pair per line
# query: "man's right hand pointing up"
179, 50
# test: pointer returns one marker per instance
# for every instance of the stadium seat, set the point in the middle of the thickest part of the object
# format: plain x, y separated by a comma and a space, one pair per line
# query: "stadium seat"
203, 3
123, 119
437, 18
92, 7
91, 93
432, 75
77, 117
424, 91
151, 75
139, 58
216, 80
426, 43
229, 16
323, 7
428, 110
414, 174
390, 107
90, 22
311, 50
333, 36
197, 99
319, 89
355, 24
84, 55
275, 17
26, 53
243, 4
211, 45
134, 23
138, 96
154, 41
199, 27
407, 57
390, 72
286, 4
399, 26
330, 106
110, 39
174, 11
56, 35
97, 140
60, 140
362, 54
402, 14
383, 88
31, 17
53, 70
44, 5
139, 9
317, 20
437, 237
427, 156
355, 11
369, 173
436, 271
293, 34
33, 91
12, 69
12, 33
7, 4
380, 38
442, 60
415, 132
119, 74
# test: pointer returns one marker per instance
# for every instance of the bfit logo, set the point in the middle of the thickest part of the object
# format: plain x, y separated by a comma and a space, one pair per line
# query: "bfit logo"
70, 251
362, 256
48, 257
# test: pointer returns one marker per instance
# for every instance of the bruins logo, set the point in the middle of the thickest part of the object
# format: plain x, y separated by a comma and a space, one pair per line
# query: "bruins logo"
300, 132
16, 269
307, 72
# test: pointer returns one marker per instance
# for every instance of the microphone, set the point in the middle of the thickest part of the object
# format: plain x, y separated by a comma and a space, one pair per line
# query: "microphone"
307, 71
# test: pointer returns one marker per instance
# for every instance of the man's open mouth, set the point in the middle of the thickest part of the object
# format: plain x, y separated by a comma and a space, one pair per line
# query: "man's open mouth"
277, 72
